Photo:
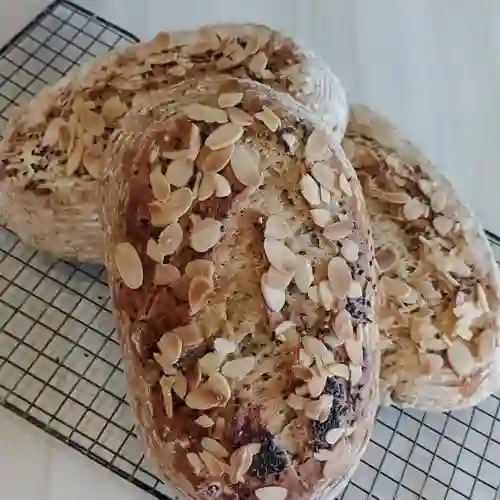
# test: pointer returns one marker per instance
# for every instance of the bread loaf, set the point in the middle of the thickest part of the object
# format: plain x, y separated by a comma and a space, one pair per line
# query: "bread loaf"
241, 271
439, 311
53, 150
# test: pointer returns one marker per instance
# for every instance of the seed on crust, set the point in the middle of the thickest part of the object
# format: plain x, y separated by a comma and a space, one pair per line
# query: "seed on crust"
338, 230
324, 175
172, 209
277, 228
274, 298
129, 265
204, 421
310, 190
224, 136
214, 466
224, 346
320, 216
303, 276
219, 385
179, 172
229, 99
354, 350
215, 161
170, 346
317, 146
339, 276
269, 119
203, 113
222, 186
271, 493
205, 234
180, 385
159, 185
258, 63
214, 447
349, 250
170, 239
166, 274
280, 256
196, 463
238, 368
240, 117
244, 166
200, 289
200, 267
460, 359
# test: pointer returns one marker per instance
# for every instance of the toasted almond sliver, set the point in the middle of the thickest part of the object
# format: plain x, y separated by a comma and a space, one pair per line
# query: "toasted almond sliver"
52, 132
214, 447
241, 460
343, 326
277, 280
277, 228
338, 230
219, 385
211, 362
317, 145
413, 209
439, 200
153, 251
93, 162
190, 335
333, 435
204, 421
431, 362
166, 274
170, 346
214, 466
296, 402
460, 359
170, 239
320, 216
200, 112
443, 225
180, 385
269, 119
222, 186
206, 233
202, 398
310, 190
240, 117
207, 187
129, 265
179, 172
92, 122
176, 71
200, 267
229, 99
280, 256
344, 185
239, 368
194, 142
166, 390
354, 350
258, 63
349, 250
224, 136
224, 346
244, 166
200, 289
314, 347
74, 159
356, 372
339, 276
274, 298
325, 295
324, 175
386, 257
113, 109
215, 161
316, 385
159, 185
303, 276
196, 463
271, 493
172, 209
339, 370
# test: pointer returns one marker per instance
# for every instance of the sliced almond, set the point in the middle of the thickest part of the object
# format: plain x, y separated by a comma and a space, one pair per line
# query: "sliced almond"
176, 71
413, 209
349, 250
166, 274
244, 166
224, 346
344, 185
338, 230
277, 228
277, 280
291, 142
170, 239
487, 345
241, 461
280, 256
200, 289
339, 276
202, 398
303, 372
320, 216
166, 390
354, 350
159, 185
196, 463
316, 385
224, 136
240, 117
443, 225
113, 109
211, 362
317, 146
386, 258
170, 346
207, 187
219, 384
229, 99
215, 161
204, 421
214, 466
92, 122
271, 493
153, 251
274, 298
314, 347
190, 335
206, 233
239, 368
172, 209
303, 276
214, 447
339, 370
92, 160
313, 294
460, 359
298, 403
200, 267
333, 436
74, 159
179, 172
439, 200
202, 113
258, 63
324, 175
129, 265
282, 328
269, 119
222, 186
343, 326
325, 295
193, 376
180, 385
395, 288
52, 132
310, 190
356, 373
432, 363
194, 142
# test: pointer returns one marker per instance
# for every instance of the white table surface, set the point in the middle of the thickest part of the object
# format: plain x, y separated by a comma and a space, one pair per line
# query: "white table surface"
432, 67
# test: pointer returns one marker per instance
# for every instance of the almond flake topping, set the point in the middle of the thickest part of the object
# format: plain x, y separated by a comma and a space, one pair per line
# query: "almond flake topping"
443, 225
241, 461
196, 463
320, 216
413, 209
272, 493
170, 346
207, 187
159, 185
170, 239
153, 251
303, 276
325, 175
460, 359
310, 190
244, 166
222, 186
206, 233
224, 136
224, 346
274, 298
214, 466
277, 280
239, 368
258, 63
166, 274
317, 146
200, 267
190, 335
215, 161
200, 289
179, 172
269, 119
339, 276
214, 447
219, 384
280, 256
240, 117
338, 230
202, 398
229, 99
204, 421
325, 294
129, 265
200, 112
180, 385
277, 228
316, 385
350, 251
354, 350
333, 435
172, 209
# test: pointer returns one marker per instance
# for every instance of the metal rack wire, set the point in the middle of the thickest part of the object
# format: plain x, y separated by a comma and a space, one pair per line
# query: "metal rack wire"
60, 365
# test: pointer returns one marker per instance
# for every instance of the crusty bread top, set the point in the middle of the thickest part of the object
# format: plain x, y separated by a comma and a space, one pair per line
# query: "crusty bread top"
241, 269
55, 143
440, 314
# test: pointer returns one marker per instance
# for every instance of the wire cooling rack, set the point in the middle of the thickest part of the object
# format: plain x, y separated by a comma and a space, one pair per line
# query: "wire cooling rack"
60, 364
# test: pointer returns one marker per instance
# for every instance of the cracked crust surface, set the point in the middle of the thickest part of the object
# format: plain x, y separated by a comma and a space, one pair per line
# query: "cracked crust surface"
51, 156
244, 313
439, 307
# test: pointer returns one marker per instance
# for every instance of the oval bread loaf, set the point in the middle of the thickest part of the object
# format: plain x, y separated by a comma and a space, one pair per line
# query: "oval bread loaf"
53, 150
440, 293
241, 271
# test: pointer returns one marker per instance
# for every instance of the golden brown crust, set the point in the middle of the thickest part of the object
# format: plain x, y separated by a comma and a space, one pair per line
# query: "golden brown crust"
52, 153
256, 366
439, 313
